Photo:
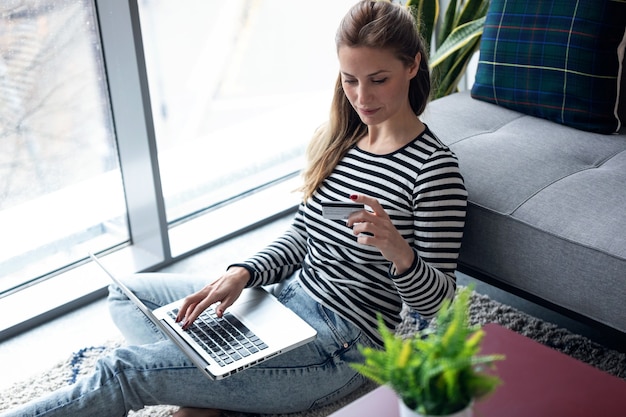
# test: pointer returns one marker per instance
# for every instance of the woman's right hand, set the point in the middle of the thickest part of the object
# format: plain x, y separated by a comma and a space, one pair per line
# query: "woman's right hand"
225, 290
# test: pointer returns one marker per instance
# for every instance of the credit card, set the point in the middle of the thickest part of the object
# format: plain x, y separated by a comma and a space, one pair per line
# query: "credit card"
339, 210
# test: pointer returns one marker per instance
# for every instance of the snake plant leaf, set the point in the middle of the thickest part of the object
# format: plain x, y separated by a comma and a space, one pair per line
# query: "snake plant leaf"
451, 40
459, 38
454, 71
448, 24
472, 10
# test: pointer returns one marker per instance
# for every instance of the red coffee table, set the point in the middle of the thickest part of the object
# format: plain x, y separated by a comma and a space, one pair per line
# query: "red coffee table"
537, 382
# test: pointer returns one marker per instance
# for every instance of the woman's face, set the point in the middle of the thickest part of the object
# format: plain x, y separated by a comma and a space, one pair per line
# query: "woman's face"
376, 83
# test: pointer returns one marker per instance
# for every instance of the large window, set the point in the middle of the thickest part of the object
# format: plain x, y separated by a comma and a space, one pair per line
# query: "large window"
148, 129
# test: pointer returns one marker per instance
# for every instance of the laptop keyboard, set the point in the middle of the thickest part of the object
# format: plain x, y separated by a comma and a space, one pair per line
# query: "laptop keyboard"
225, 339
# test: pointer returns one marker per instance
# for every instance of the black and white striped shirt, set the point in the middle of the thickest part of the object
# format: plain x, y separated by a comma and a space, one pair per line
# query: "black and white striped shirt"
421, 189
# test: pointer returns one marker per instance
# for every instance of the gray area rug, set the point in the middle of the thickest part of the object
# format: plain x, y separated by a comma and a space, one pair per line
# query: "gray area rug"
483, 310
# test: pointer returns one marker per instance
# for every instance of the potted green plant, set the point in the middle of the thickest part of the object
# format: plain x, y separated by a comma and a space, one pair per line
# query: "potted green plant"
452, 41
438, 371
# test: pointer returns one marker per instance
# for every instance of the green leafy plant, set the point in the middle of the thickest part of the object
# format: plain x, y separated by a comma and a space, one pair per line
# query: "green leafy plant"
437, 371
453, 42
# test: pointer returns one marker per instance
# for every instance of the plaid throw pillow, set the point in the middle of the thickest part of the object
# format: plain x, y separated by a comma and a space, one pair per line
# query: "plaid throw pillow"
556, 59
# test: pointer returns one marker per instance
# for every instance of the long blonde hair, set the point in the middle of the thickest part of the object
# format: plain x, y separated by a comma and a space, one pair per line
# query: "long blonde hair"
375, 24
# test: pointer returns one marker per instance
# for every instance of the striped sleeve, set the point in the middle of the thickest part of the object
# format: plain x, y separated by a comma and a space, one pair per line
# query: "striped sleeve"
280, 258
439, 201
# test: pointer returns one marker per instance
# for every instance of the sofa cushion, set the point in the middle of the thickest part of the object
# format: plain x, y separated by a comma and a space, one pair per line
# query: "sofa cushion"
556, 59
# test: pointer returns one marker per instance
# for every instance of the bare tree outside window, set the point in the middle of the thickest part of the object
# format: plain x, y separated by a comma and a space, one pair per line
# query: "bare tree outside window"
53, 126
55, 133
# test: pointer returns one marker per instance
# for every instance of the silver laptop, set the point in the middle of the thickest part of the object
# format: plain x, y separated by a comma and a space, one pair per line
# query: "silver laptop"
255, 328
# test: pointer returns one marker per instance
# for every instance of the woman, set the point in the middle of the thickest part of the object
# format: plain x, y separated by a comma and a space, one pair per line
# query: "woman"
339, 274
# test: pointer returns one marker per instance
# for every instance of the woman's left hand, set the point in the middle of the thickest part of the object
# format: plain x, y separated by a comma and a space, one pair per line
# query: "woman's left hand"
375, 228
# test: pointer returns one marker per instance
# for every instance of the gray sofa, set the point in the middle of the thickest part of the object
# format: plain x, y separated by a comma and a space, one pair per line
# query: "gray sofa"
547, 197
547, 206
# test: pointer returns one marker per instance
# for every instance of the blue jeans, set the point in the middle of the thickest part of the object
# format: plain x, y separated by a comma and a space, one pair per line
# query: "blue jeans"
152, 370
